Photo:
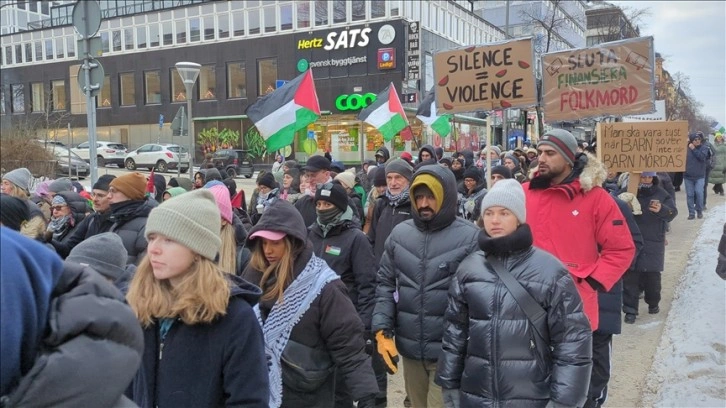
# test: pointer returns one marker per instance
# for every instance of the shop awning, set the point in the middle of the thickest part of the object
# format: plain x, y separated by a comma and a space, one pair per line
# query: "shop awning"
238, 117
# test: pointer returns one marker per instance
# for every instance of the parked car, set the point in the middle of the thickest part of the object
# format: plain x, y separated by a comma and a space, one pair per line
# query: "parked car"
106, 153
234, 162
77, 166
160, 156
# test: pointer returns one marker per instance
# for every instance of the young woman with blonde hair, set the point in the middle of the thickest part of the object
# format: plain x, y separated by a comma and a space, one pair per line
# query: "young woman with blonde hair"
203, 346
310, 325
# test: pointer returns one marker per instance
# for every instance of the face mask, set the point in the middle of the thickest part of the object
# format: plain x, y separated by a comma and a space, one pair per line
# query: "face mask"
327, 216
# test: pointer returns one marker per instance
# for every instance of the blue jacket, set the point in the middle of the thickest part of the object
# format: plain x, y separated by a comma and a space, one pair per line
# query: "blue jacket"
207, 365
696, 162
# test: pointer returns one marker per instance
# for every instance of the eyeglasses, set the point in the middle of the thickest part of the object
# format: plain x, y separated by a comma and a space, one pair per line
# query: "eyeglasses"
324, 186
58, 207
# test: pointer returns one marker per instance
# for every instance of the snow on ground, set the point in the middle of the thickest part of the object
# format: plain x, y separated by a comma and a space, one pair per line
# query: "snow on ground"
689, 369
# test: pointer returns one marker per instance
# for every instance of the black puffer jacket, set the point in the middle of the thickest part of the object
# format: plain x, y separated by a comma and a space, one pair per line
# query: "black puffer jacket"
91, 350
653, 227
331, 323
385, 218
419, 261
129, 222
347, 251
489, 349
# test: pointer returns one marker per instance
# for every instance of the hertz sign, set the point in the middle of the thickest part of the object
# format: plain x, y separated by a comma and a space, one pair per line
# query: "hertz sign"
354, 102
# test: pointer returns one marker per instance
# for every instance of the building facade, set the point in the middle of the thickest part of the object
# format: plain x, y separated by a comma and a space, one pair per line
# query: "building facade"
246, 49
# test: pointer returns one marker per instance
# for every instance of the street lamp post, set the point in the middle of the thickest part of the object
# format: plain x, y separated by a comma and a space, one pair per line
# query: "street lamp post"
189, 71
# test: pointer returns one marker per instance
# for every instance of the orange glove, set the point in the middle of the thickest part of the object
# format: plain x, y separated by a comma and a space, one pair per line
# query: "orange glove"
387, 350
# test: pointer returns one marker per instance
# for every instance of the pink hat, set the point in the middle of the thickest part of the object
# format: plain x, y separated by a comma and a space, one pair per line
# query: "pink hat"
221, 196
267, 234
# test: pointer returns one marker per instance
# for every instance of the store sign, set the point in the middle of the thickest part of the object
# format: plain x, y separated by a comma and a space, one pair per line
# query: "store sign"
354, 102
335, 40
386, 58
413, 53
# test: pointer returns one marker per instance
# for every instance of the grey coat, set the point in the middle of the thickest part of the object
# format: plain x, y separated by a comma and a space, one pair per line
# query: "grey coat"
489, 350
418, 263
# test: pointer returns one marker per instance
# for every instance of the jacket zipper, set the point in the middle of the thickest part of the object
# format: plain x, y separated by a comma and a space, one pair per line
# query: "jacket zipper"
158, 365
495, 387
421, 287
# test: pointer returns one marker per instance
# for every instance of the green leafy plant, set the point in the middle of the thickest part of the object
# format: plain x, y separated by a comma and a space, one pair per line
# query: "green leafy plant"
256, 147
229, 138
208, 139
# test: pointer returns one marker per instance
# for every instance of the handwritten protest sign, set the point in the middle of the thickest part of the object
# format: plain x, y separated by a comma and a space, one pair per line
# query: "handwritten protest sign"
643, 146
614, 78
488, 77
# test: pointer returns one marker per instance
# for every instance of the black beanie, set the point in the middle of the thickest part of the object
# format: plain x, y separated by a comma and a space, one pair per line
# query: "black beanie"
379, 180
14, 212
334, 194
472, 173
267, 180
231, 186
502, 171
103, 182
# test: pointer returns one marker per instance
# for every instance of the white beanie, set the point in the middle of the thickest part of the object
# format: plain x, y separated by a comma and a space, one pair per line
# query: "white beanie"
507, 193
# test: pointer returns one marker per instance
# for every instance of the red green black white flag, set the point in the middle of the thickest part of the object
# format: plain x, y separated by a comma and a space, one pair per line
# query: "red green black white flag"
280, 114
386, 114
427, 114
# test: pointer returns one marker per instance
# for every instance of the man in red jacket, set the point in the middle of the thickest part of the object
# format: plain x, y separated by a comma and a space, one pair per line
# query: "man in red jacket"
576, 220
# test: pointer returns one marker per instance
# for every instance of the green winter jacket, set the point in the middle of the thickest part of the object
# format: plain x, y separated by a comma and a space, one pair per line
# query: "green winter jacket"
717, 175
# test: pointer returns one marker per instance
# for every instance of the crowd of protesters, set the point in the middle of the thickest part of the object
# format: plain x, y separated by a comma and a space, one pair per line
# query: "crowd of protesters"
186, 293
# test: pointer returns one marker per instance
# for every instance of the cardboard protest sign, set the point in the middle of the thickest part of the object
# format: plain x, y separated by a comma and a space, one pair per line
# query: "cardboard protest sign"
487, 77
609, 79
643, 146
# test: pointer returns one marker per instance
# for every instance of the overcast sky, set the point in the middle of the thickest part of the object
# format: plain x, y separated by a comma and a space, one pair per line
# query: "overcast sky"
691, 36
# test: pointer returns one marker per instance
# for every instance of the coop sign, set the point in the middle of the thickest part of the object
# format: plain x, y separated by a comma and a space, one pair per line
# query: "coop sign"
335, 40
354, 102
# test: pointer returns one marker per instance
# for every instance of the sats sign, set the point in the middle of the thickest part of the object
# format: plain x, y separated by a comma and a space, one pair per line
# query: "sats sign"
356, 37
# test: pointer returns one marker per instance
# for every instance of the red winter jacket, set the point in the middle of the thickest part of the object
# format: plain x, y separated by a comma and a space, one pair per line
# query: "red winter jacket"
585, 230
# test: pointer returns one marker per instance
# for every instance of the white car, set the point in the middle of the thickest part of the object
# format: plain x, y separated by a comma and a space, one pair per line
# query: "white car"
106, 153
160, 156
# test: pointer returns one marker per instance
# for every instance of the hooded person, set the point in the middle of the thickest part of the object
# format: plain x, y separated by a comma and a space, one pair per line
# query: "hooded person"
172, 192
13, 212
17, 184
212, 174
426, 156
468, 158
309, 323
64, 327
458, 167
290, 185
267, 193
180, 296
491, 353
382, 156
439, 153
200, 178
69, 210
129, 212
182, 182
420, 256
512, 162
159, 187
470, 193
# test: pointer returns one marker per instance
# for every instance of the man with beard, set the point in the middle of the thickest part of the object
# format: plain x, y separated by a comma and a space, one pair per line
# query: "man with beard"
420, 257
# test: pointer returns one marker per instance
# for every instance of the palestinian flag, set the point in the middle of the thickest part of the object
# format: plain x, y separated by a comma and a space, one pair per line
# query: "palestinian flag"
427, 113
386, 113
279, 114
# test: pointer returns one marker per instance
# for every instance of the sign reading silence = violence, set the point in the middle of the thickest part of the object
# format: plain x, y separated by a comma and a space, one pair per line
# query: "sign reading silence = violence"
643, 146
488, 77
609, 79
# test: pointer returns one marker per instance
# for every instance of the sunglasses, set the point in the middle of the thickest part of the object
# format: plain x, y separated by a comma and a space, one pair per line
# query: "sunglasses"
58, 207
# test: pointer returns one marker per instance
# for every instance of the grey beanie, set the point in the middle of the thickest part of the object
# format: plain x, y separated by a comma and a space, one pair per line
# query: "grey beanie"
507, 193
191, 219
105, 253
20, 177
562, 141
60, 185
401, 167
496, 150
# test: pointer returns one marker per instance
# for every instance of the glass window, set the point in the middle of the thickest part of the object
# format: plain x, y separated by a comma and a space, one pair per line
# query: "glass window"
178, 92
37, 97
45, 7
128, 89
58, 95
395, 7
38, 51
303, 14
152, 87
208, 83
236, 80
321, 12
378, 8
116, 40
270, 19
168, 35
238, 22
209, 27
28, 52
104, 98
48, 49
254, 21
154, 35
17, 98
2, 100
59, 47
285, 17
223, 26
71, 46
181, 31
9, 55
267, 74
19, 52
359, 10
339, 13
128, 38
194, 29
105, 45
141, 37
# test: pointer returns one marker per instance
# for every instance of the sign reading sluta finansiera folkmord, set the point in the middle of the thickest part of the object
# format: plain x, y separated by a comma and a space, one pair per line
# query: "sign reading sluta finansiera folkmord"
485, 78
609, 79
643, 146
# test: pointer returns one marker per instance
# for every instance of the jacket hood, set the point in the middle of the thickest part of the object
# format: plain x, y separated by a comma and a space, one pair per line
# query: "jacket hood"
447, 212
245, 290
79, 205
468, 157
284, 217
429, 149
384, 151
